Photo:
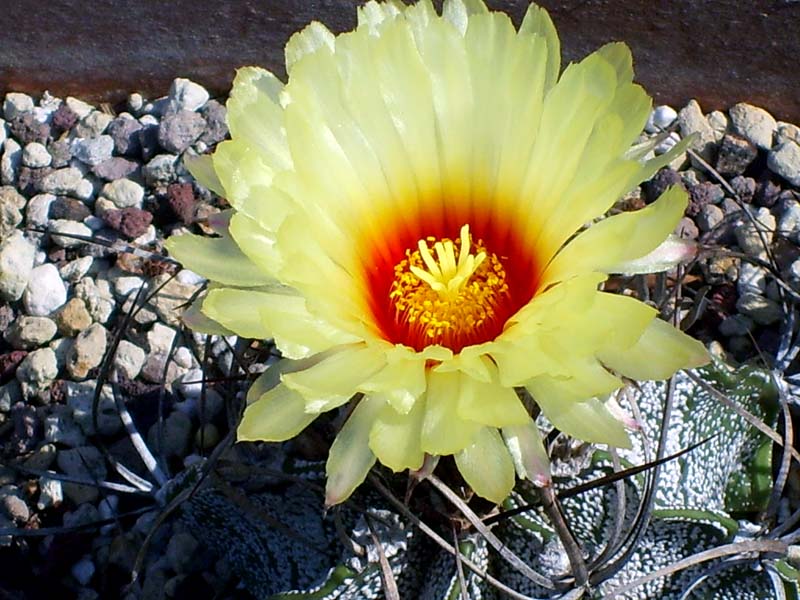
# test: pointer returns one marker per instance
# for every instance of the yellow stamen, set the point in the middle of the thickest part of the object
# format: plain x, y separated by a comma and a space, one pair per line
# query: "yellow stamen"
449, 297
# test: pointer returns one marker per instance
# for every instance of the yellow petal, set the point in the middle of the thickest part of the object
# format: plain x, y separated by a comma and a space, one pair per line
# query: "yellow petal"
490, 403
524, 443
395, 437
334, 380
538, 22
350, 457
277, 415
306, 42
195, 320
658, 354
486, 465
619, 238
202, 169
443, 430
218, 259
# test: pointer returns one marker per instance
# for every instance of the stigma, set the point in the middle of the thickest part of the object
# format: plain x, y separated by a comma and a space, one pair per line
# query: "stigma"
448, 292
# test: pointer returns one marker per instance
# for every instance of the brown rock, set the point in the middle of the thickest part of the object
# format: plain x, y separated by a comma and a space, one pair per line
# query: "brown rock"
73, 318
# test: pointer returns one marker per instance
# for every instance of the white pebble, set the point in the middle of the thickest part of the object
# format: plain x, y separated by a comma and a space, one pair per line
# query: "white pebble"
45, 292
35, 155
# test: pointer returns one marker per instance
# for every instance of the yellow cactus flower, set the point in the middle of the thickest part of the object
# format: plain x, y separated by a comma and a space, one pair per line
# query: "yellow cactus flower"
409, 226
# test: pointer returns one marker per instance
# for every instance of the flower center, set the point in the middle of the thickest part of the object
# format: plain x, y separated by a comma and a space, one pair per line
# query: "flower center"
447, 294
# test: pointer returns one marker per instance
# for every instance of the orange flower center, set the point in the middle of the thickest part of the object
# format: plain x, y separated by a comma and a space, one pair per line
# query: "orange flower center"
450, 290
443, 296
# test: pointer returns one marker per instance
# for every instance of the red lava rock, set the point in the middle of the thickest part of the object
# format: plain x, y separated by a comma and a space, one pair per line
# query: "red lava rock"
63, 119
9, 363
115, 167
24, 438
745, 188
27, 129
29, 180
767, 192
702, 194
130, 222
67, 208
665, 178
735, 154
181, 199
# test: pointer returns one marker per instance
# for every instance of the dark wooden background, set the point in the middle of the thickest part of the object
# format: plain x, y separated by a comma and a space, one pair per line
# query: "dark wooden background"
719, 51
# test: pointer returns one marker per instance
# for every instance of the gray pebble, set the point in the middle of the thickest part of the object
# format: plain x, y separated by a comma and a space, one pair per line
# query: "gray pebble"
177, 435
35, 155
38, 367
87, 463
752, 279
787, 132
124, 131
735, 154
10, 162
68, 228
80, 400
179, 130
660, 118
185, 94
762, 310
16, 104
135, 102
181, 551
124, 193
93, 151
719, 123
129, 359
60, 153
82, 515
753, 123
88, 350
749, 235
216, 130
79, 107
709, 217
83, 570
789, 222
16, 265
687, 229
10, 216
62, 182
784, 160
45, 291
190, 385
28, 332
691, 120
98, 298
115, 167
161, 169
93, 124
16, 509
38, 210
60, 428
51, 493
10, 394
74, 270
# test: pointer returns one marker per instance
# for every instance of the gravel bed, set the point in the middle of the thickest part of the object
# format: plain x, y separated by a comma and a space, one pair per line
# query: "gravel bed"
71, 171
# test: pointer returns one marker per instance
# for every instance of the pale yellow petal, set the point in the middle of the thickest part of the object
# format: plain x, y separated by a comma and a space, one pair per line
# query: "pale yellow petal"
486, 465
658, 354
202, 169
538, 22
333, 381
443, 430
306, 42
395, 437
277, 415
195, 320
619, 238
350, 457
524, 443
490, 403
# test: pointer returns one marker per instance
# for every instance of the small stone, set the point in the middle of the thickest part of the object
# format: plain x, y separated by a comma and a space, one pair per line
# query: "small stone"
753, 123
8, 369
74, 270
691, 120
736, 325
660, 118
73, 318
752, 279
42, 459
161, 169
35, 155
190, 384
82, 515
181, 551
721, 269
182, 201
177, 435
659, 184
787, 132
10, 162
719, 123
207, 436
80, 399
744, 188
62, 182
87, 352
762, 310
16, 104
180, 130
60, 153
79, 107
85, 462
93, 124
93, 151
130, 222
16, 509
98, 298
45, 291
16, 266
64, 119
185, 94
148, 138
27, 129
789, 223
129, 359
69, 209
10, 217
124, 193
83, 570
60, 428
51, 493
752, 236
172, 295
68, 229
115, 167
124, 131
767, 192
703, 194
216, 129
135, 102
38, 367
30, 332
687, 229
735, 155
784, 160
